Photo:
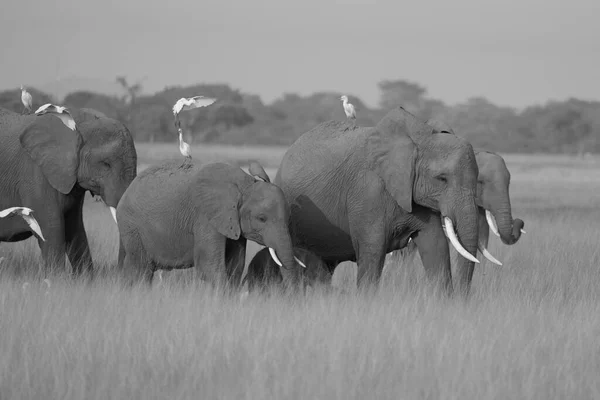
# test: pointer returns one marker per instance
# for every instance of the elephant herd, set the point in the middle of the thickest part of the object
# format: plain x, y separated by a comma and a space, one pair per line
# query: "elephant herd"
342, 193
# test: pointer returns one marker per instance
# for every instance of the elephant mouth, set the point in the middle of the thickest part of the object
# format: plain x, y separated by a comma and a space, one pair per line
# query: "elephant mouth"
450, 233
276, 259
113, 210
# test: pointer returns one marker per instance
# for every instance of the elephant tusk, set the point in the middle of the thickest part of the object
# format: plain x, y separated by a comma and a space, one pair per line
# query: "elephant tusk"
491, 222
523, 231
487, 254
299, 262
274, 257
113, 211
454, 240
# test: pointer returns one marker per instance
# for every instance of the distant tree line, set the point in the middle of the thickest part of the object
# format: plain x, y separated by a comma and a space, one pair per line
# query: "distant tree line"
570, 126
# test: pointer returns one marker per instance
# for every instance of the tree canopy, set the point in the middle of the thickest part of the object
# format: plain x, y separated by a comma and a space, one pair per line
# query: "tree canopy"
569, 126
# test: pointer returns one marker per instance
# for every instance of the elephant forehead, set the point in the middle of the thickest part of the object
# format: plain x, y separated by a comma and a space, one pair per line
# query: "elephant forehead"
266, 197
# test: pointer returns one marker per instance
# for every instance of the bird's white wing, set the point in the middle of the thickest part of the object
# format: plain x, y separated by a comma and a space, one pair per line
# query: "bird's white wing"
12, 210
24, 212
202, 101
33, 224
352, 111
67, 120
43, 108
178, 106
197, 102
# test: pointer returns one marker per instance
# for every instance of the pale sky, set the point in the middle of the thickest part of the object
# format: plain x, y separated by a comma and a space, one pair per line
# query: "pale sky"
514, 52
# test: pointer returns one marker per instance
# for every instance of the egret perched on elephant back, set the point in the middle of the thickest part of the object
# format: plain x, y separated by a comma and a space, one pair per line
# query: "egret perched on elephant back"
358, 193
349, 109
48, 167
201, 216
185, 104
27, 100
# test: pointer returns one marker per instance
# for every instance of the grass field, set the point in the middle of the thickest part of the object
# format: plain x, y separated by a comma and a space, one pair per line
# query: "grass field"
531, 329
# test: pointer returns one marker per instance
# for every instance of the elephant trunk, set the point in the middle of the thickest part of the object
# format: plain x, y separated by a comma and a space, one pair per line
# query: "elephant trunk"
461, 228
282, 252
509, 230
114, 190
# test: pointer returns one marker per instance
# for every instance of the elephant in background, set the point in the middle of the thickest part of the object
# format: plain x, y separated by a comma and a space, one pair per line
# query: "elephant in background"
176, 216
493, 198
357, 193
48, 167
263, 273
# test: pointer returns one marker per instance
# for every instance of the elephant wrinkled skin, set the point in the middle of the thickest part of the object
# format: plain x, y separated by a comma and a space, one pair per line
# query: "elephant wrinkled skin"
357, 193
48, 167
181, 216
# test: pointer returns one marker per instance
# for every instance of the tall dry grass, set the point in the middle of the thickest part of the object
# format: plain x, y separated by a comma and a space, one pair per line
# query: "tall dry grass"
529, 331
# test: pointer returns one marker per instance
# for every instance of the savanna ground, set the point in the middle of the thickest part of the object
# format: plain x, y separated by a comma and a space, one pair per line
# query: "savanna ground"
530, 330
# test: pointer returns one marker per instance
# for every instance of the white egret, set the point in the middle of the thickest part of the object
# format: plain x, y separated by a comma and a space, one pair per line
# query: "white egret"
348, 108
60, 112
184, 148
24, 213
185, 104
26, 99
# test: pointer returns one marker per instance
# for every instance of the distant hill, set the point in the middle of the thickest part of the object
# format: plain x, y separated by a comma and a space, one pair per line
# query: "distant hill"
62, 87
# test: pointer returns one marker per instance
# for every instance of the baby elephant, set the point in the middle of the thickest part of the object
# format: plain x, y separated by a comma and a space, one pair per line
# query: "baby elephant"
175, 216
264, 273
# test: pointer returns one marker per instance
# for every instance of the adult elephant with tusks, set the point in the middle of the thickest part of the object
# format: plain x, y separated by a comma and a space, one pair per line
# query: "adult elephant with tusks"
176, 216
493, 198
48, 167
357, 193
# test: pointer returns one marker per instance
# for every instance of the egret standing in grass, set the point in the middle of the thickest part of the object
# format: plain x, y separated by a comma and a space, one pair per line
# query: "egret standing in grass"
25, 213
61, 112
348, 108
27, 100
185, 104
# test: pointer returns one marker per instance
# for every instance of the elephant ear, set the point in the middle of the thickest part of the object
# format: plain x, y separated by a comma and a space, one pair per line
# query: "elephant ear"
55, 148
257, 171
219, 201
393, 153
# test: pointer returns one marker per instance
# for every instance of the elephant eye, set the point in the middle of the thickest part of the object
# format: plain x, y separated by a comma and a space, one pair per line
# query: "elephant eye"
262, 218
442, 178
105, 164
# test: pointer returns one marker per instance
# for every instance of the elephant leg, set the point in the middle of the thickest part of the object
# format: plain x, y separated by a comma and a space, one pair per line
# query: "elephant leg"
435, 253
368, 229
370, 248
78, 249
136, 266
53, 249
235, 259
209, 257
121, 255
